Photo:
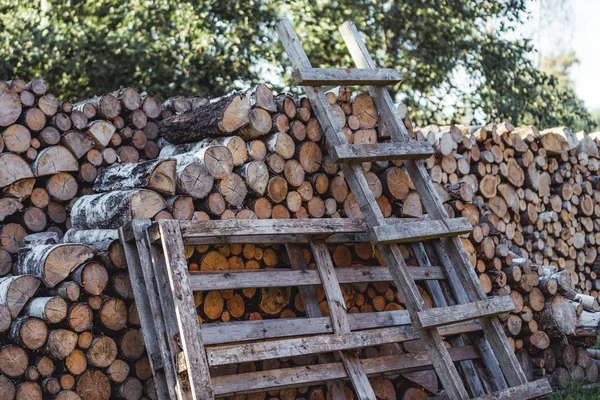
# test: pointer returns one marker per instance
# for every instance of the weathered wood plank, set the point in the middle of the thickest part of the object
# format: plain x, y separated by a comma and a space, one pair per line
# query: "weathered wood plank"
485, 350
339, 318
239, 331
146, 300
338, 238
364, 196
185, 310
309, 345
240, 227
282, 277
417, 231
529, 390
301, 376
442, 298
453, 254
357, 153
463, 312
162, 287
308, 294
347, 76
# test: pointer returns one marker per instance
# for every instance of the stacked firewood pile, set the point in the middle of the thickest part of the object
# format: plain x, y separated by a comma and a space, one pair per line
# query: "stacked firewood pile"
70, 325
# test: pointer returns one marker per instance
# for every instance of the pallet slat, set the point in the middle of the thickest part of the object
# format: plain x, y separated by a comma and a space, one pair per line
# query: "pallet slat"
433, 317
239, 331
187, 320
244, 279
357, 153
346, 76
411, 232
151, 318
240, 353
310, 300
301, 376
529, 390
339, 318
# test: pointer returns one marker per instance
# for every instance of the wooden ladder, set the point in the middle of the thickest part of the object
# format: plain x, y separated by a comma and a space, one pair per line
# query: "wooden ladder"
508, 379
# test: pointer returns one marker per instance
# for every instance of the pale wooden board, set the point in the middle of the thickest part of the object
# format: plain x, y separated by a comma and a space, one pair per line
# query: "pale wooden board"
443, 298
373, 216
485, 350
239, 331
301, 376
347, 76
282, 277
337, 238
339, 318
452, 249
356, 153
529, 390
167, 306
185, 310
417, 231
462, 312
312, 309
239, 353
151, 319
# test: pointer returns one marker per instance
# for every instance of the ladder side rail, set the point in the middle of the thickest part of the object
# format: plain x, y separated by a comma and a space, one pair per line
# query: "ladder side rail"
439, 300
339, 318
453, 249
185, 310
391, 253
312, 309
455, 290
151, 317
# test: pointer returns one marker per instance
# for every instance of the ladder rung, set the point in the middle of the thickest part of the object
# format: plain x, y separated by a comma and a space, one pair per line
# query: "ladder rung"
356, 153
529, 390
348, 76
433, 317
409, 231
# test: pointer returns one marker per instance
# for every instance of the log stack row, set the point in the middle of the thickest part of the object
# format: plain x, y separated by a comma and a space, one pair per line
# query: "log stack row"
530, 195
69, 325
52, 151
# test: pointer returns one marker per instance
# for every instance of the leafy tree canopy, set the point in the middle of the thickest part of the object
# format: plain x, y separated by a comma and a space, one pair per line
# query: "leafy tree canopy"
456, 57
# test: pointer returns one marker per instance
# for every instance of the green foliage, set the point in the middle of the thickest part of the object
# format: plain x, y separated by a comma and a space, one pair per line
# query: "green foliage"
88, 47
577, 391
454, 54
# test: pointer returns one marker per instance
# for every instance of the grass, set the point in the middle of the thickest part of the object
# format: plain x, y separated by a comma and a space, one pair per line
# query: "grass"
577, 391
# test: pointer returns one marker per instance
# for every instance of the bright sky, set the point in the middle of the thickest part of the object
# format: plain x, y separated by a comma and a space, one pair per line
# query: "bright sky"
581, 34
586, 43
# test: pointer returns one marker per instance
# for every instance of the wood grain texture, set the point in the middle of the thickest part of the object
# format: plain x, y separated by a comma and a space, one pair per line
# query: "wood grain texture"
348, 76
339, 318
239, 353
298, 376
357, 153
185, 310
462, 312
310, 302
418, 231
148, 305
282, 277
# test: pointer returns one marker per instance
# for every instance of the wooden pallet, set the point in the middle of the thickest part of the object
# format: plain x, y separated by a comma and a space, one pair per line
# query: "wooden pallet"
182, 351
164, 289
